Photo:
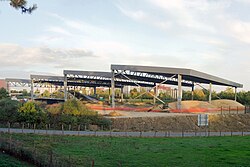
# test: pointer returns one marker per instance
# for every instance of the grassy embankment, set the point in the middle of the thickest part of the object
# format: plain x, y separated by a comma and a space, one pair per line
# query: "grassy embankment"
106, 151
7, 161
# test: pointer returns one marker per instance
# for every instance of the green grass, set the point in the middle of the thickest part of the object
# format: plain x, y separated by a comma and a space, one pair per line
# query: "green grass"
106, 151
8, 161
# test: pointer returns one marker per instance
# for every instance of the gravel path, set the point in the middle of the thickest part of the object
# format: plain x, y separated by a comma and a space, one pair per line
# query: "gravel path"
124, 134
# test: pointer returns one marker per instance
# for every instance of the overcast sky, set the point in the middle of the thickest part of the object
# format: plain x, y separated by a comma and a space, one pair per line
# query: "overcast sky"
206, 35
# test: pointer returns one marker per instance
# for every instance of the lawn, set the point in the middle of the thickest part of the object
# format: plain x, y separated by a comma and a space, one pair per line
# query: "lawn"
106, 151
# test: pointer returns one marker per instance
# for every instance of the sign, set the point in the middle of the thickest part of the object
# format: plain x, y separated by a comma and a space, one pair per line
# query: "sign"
203, 120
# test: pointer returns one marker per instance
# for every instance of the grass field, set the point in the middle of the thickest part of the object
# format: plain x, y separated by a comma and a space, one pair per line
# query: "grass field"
8, 161
105, 151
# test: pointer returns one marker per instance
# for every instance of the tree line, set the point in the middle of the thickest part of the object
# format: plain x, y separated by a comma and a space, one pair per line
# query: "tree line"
72, 112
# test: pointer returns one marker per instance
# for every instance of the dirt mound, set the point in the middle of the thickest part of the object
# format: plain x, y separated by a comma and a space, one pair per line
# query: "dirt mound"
226, 103
177, 123
192, 105
217, 122
114, 114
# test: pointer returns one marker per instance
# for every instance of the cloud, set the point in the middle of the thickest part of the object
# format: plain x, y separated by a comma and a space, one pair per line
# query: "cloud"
13, 55
190, 14
136, 15
239, 30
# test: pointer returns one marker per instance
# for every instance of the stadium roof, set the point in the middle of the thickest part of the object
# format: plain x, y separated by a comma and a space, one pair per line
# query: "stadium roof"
159, 74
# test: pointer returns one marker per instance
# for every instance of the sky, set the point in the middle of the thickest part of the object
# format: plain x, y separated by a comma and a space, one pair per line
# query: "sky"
212, 36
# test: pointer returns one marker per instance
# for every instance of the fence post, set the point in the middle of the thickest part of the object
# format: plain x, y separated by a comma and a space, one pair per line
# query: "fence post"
62, 130
46, 129
79, 128
93, 163
8, 127
51, 157
34, 128
140, 133
182, 133
22, 127
155, 134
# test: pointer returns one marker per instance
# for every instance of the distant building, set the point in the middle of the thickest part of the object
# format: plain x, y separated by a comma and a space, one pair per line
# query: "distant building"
3, 83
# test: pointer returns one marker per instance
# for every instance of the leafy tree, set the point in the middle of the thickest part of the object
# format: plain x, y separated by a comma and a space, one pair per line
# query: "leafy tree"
243, 97
58, 94
165, 97
21, 4
30, 112
134, 93
3, 93
8, 110
46, 93
186, 95
74, 107
199, 95
227, 94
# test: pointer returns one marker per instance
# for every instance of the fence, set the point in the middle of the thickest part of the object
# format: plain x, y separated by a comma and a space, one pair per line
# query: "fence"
34, 156
38, 157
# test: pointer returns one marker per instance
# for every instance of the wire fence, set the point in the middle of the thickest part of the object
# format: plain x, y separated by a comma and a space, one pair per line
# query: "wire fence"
48, 157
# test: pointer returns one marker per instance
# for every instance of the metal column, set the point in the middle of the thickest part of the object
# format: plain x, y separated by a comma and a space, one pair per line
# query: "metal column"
113, 88
65, 88
122, 93
32, 89
109, 95
179, 98
210, 93
95, 91
192, 93
155, 93
235, 93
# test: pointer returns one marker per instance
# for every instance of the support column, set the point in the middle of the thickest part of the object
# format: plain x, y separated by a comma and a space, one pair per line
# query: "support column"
95, 91
179, 98
65, 88
122, 93
109, 95
235, 93
192, 93
155, 93
113, 87
32, 90
210, 92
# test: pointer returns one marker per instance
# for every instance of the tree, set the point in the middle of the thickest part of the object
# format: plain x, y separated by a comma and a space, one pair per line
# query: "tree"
31, 112
199, 95
227, 94
3, 93
8, 110
21, 4
46, 93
